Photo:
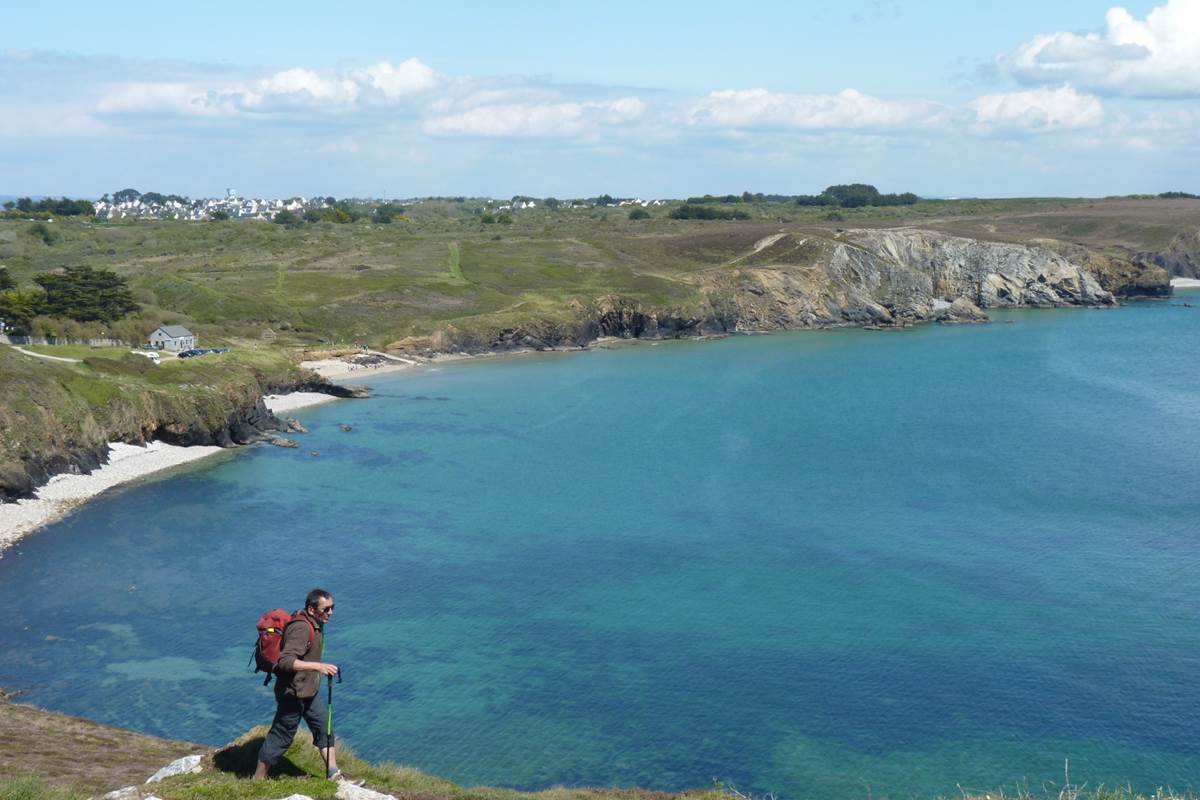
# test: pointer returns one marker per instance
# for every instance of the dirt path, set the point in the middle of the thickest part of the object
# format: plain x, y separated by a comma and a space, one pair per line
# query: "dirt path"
759, 246
48, 358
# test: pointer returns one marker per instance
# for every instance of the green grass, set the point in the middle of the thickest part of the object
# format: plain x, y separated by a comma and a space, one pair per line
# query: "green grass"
226, 776
455, 264
50, 756
442, 267
77, 351
31, 787
49, 406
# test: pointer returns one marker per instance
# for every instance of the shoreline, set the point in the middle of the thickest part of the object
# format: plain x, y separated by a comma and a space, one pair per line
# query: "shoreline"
1185, 283
127, 464
65, 492
280, 403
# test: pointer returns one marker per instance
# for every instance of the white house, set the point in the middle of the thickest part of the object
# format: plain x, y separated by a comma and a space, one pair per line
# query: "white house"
172, 338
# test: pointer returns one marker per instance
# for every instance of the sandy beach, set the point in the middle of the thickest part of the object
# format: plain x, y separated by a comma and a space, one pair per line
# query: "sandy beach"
281, 403
370, 362
126, 463
1185, 283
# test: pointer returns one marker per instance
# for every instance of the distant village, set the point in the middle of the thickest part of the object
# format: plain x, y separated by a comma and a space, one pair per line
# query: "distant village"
232, 206
131, 205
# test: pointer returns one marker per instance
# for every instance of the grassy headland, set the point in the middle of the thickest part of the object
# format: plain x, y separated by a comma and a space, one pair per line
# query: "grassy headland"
55, 757
57, 416
440, 267
50, 755
441, 277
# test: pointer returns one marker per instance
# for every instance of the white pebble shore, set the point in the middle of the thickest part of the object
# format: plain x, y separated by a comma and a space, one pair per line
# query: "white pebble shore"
126, 463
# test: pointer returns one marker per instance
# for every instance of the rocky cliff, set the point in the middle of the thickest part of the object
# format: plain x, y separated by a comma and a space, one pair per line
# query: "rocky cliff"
879, 278
59, 418
1181, 257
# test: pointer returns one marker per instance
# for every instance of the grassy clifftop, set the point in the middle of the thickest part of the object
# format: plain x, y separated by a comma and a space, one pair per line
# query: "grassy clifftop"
57, 416
54, 757
441, 267
50, 755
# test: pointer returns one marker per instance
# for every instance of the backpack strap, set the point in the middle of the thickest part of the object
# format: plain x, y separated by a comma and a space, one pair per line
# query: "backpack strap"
300, 616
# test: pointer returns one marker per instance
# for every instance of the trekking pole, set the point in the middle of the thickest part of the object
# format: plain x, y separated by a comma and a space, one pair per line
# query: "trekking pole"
329, 719
328, 723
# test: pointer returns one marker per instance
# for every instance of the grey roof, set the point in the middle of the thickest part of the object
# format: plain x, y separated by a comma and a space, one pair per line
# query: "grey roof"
175, 331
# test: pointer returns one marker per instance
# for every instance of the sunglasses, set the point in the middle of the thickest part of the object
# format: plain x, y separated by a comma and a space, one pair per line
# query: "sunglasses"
327, 608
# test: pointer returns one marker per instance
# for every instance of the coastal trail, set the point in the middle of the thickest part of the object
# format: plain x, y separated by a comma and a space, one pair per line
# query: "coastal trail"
46, 357
455, 264
759, 246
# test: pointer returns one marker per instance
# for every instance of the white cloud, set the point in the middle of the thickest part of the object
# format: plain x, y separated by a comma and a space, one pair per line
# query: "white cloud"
752, 108
287, 90
1155, 57
137, 97
398, 80
299, 88
48, 121
536, 120
1038, 110
465, 95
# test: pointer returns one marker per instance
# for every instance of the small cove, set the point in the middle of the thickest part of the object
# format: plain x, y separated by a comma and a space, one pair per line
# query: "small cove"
813, 564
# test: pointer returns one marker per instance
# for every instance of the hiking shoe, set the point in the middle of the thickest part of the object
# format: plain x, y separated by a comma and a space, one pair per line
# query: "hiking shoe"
340, 777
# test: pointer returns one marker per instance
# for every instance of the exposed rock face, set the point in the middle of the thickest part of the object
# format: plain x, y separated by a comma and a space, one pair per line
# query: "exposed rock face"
20, 480
877, 278
1182, 256
319, 385
240, 417
1124, 276
990, 274
243, 426
961, 311
611, 315
902, 276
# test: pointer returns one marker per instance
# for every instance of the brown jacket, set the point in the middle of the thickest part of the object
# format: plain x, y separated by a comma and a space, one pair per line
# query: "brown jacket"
305, 683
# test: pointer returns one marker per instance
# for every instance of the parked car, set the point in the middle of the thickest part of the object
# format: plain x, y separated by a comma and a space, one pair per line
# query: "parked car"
202, 351
150, 354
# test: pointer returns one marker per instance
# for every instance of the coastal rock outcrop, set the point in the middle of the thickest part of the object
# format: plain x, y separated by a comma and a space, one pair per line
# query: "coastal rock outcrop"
180, 766
878, 278
63, 432
244, 425
1181, 257
896, 277
961, 311
1124, 275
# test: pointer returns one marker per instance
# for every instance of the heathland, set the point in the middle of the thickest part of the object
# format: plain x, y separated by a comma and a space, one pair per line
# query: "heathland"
439, 268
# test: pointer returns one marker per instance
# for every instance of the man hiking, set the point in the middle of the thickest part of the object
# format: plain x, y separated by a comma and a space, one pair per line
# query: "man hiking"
298, 686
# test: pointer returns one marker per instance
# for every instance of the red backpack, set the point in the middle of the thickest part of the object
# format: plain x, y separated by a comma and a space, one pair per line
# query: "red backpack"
270, 639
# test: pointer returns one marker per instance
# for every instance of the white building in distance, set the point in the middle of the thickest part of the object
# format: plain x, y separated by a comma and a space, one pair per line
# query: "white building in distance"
172, 338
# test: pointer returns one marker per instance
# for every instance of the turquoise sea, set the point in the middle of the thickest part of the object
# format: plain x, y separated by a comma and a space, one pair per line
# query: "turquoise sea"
827, 564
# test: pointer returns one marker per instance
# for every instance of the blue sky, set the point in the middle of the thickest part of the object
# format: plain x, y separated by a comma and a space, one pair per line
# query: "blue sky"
569, 99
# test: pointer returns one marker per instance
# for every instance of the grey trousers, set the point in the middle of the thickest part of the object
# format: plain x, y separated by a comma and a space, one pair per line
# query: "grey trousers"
288, 712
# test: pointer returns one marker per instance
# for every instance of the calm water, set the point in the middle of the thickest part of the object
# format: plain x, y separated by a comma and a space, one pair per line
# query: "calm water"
818, 564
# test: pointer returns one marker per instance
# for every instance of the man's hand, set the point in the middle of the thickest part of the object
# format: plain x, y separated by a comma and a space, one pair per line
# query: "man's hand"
315, 666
